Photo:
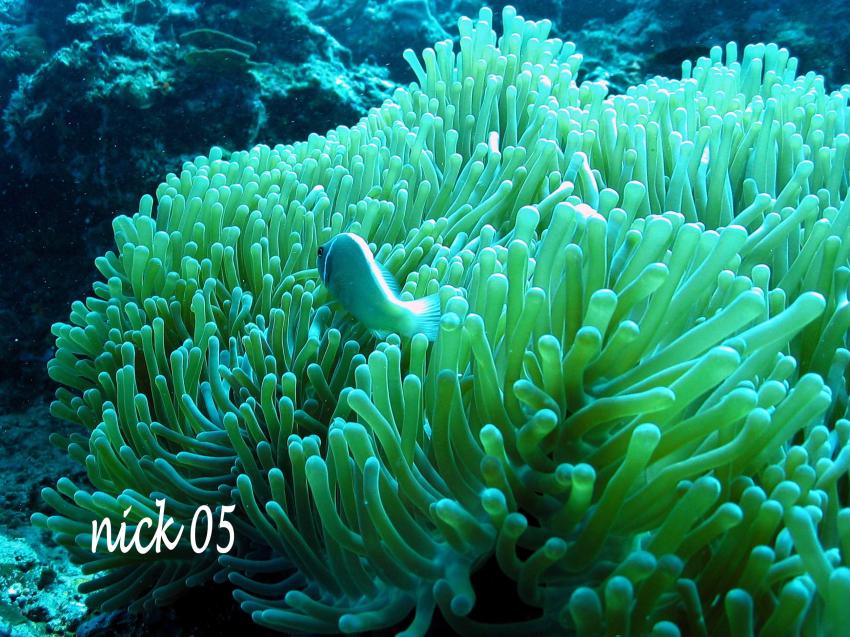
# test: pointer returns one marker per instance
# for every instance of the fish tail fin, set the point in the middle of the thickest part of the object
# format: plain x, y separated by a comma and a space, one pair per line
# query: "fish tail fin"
427, 315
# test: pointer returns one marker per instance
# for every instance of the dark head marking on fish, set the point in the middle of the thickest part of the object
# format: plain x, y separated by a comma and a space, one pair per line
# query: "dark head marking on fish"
323, 263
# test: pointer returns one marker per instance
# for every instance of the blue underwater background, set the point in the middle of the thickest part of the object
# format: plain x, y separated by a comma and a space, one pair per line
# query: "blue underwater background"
101, 100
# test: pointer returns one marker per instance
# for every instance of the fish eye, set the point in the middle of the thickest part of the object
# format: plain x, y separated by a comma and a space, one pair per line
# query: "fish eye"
321, 251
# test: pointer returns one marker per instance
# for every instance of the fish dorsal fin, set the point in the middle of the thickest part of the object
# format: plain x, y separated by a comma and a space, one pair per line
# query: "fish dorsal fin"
389, 279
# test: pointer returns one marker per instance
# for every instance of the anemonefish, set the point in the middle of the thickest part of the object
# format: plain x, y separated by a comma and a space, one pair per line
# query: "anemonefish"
367, 290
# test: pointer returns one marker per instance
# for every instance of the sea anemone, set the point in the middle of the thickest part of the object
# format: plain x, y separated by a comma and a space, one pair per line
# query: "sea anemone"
634, 415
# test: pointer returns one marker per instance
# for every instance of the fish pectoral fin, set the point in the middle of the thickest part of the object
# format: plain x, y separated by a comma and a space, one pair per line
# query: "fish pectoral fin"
381, 334
428, 314
389, 279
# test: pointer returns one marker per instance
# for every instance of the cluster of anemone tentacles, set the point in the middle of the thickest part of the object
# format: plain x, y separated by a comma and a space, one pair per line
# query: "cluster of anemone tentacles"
635, 411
